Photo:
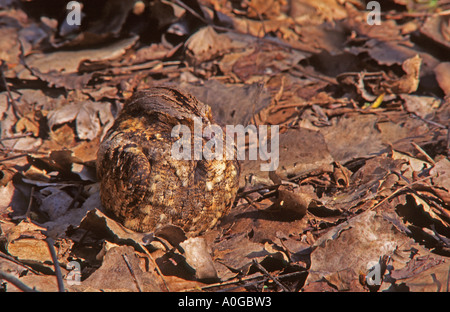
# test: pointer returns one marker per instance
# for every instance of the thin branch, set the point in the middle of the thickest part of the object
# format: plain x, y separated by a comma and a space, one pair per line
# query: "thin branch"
305, 48
17, 136
232, 282
398, 191
156, 266
402, 15
268, 187
239, 280
448, 280
16, 282
275, 279
431, 122
16, 109
192, 11
59, 279
21, 151
125, 257
30, 203
431, 160
9, 258
13, 157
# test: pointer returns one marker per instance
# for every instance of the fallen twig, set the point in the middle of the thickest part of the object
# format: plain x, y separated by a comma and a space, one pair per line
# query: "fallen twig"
16, 110
268, 187
430, 160
59, 278
30, 203
262, 278
156, 266
125, 258
402, 15
398, 191
9, 258
15, 281
17, 136
275, 279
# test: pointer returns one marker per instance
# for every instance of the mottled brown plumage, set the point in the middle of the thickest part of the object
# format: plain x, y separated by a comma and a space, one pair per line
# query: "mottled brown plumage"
143, 186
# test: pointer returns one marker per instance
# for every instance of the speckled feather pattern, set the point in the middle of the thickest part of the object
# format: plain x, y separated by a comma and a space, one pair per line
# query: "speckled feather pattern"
143, 186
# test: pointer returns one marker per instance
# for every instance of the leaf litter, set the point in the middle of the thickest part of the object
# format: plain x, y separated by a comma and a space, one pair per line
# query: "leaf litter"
363, 176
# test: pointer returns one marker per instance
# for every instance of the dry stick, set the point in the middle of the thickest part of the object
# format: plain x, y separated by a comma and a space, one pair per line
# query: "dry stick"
272, 188
439, 236
16, 282
437, 125
156, 266
59, 279
304, 105
265, 272
234, 281
125, 257
9, 258
14, 150
192, 11
221, 28
250, 202
397, 191
448, 142
264, 279
315, 75
17, 136
431, 122
16, 109
13, 157
268, 187
448, 280
240, 280
423, 153
27, 214
414, 14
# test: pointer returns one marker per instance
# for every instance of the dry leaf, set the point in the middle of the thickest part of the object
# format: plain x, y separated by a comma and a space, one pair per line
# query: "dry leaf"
67, 62
198, 257
352, 184
116, 275
351, 246
442, 72
27, 243
293, 201
88, 116
54, 202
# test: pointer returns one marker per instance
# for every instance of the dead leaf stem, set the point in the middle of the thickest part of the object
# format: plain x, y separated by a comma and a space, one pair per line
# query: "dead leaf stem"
15, 281
156, 266
16, 110
30, 202
423, 153
9, 258
262, 278
398, 191
265, 272
125, 258
50, 243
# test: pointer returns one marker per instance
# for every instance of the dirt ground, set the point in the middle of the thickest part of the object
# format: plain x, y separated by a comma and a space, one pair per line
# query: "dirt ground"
360, 200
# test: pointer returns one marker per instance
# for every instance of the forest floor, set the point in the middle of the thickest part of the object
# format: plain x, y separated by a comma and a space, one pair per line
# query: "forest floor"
360, 200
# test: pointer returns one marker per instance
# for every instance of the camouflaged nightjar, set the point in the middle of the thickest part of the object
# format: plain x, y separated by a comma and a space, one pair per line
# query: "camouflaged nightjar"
143, 185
